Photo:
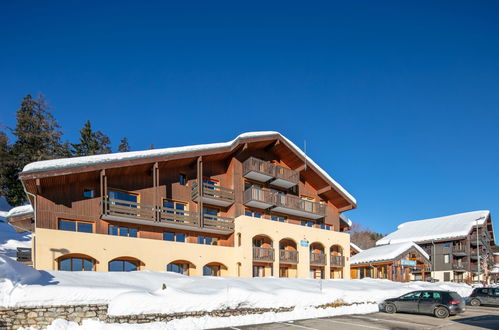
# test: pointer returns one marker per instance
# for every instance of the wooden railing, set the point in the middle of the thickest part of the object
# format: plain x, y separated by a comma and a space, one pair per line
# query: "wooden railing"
317, 259
118, 207
259, 195
297, 203
218, 222
181, 217
269, 169
213, 191
337, 261
288, 256
263, 254
459, 249
460, 266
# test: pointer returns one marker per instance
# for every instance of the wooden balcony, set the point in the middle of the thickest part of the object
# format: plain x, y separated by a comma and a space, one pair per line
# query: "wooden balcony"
459, 251
262, 199
337, 261
460, 266
263, 254
289, 204
264, 171
213, 194
288, 257
139, 213
317, 259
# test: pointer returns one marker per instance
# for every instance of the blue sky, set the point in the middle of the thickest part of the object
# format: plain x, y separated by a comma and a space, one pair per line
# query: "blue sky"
398, 101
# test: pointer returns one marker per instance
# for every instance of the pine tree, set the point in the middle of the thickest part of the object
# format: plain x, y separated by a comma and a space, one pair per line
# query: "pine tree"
37, 138
91, 143
124, 146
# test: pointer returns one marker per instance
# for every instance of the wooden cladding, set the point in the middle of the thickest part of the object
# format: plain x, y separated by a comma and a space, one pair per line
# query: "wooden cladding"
263, 254
288, 256
337, 261
317, 259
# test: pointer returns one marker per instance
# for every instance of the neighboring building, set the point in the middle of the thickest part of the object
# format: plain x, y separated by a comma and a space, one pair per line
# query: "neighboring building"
255, 206
21, 218
394, 262
494, 273
354, 249
452, 243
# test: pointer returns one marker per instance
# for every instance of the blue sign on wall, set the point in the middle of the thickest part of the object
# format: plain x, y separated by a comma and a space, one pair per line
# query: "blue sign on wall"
408, 262
304, 243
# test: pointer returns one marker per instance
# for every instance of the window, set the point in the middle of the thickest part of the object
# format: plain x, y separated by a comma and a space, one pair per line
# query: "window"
324, 226
258, 271
74, 225
88, 193
283, 271
447, 244
254, 214
178, 268
122, 231
238, 239
174, 207
446, 258
211, 270
307, 223
121, 265
173, 237
204, 240
278, 218
125, 197
182, 179
72, 264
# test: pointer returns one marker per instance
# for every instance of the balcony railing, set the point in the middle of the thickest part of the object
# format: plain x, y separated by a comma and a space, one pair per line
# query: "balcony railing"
460, 266
121, 210
263, 254
317, 259
213, 194
23, 254
288, 257
337, 261
289, 204
258, 198
459, 250
264, 171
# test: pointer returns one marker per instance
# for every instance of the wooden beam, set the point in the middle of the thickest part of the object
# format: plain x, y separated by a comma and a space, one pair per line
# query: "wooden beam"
240, 149
272, 145
103, 192
200, 190
38, 187
301, 168
155, 183
324, 190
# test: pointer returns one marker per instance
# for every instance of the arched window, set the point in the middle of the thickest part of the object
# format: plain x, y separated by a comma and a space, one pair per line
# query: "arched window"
179, 266
123, 265
76, 263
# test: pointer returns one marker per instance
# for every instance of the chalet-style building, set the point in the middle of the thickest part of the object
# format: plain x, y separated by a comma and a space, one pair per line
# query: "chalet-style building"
255, 206
393, 262
354, 249
459, 245
21, 218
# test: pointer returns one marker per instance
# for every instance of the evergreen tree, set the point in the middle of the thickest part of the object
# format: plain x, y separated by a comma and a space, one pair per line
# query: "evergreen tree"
124, 146
37, 138
91, 143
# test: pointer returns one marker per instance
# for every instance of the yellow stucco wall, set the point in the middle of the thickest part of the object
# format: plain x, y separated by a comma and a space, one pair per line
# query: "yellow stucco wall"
156, 254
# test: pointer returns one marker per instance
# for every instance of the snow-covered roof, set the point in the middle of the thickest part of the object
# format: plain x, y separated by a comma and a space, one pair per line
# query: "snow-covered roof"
46, 165
355, 247
384, 252
20, 210
346, 220
448, 227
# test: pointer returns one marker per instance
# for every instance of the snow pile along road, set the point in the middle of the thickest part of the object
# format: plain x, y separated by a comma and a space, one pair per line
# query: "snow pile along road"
141, 292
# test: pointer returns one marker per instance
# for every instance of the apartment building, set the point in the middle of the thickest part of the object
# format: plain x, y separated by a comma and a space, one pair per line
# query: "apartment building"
254, 206
459, 246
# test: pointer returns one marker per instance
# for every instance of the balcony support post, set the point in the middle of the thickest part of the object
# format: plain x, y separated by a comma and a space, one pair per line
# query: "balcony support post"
155, 184
200, 190
103, 191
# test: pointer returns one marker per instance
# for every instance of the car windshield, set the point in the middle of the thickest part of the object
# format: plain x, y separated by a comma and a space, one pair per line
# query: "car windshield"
411, 295
455, 296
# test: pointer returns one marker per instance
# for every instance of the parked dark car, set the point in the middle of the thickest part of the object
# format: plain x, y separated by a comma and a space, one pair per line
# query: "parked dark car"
438, 303
484, 296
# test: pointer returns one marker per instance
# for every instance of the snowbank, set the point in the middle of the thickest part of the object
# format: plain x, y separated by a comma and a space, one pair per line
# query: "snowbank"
20, 210
10, 240
141, 292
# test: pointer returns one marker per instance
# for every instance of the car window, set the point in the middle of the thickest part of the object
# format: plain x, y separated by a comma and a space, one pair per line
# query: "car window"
483, 291
426, 295
437, 295
412, 295
496, 292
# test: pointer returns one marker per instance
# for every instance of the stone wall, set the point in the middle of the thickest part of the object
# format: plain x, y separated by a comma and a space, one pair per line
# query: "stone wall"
42, 316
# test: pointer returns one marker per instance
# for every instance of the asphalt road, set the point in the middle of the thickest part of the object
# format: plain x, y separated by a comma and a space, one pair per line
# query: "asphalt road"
474, 318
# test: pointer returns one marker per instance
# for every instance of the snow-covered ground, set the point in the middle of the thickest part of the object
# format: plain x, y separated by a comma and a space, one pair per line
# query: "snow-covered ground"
10, 240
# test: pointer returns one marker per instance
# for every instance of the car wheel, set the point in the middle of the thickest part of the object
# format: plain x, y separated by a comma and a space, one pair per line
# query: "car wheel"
441, 312
390, 308
475, 302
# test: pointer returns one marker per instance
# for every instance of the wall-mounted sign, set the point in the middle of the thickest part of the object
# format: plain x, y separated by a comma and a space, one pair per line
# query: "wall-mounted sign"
304, 243
404, 262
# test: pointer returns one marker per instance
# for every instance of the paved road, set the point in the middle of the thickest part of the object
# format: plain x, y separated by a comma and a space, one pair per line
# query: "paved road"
474, 318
